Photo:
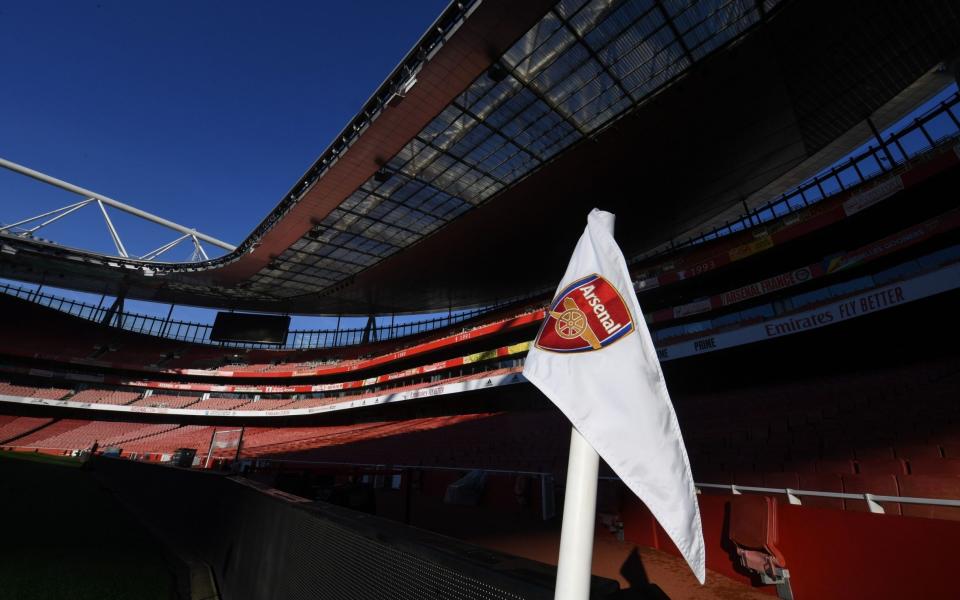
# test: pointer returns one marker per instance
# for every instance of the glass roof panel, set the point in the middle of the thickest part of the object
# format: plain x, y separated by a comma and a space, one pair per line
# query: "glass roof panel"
440, 124
566, 8
595, 98
716, 32
483, 100
561, 68
539, 36
585, 18
567, 77
470, 140
457, 130
626, 16
675, 7
530, 65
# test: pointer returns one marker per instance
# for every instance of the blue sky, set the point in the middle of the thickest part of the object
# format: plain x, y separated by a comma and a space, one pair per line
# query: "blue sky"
203, 112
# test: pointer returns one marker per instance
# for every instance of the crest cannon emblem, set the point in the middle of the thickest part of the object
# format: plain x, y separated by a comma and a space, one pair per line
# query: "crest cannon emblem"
587, 315
572, 323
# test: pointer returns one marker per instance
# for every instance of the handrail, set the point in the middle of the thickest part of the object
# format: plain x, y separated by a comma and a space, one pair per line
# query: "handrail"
792, 494
871, 499
734, 489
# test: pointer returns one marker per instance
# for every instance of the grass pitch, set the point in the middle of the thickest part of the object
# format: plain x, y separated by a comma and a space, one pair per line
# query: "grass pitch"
63, 537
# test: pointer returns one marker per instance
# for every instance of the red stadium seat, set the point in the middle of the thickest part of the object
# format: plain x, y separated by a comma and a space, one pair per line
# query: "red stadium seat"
884, 485
839, 467
801, 466
754, 532
917, 450
16, 427
882, 466
874, 453
768, 464
935, 466
951, 449
837, 450
929, 486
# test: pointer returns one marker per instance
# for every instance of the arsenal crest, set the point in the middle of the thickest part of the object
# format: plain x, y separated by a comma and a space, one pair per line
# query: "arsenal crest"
587, 315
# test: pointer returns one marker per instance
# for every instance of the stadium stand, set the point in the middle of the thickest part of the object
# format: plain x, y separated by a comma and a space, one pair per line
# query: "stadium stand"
82, 435
52, 429
747, 452
50, 393
266, 364
262, 404
13, 428
812, 434
98, 396
166, 401
219, 404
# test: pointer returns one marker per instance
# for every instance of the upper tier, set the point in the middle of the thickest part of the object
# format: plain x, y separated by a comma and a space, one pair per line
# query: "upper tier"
811, 246
518, 118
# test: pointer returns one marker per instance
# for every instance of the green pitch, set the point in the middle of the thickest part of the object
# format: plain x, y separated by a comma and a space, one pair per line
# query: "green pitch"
63, 537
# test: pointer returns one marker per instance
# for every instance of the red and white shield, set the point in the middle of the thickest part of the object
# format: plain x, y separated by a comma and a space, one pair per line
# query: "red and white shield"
589, 314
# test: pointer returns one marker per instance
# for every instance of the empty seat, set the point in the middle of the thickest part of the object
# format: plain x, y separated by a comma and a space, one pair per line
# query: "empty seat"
754, 532
935, 466
930, 486
837, 451
768, 463
917, 450
874, 453
882, 466
800, 466
839, 467
951, 449
883, 485
821, 482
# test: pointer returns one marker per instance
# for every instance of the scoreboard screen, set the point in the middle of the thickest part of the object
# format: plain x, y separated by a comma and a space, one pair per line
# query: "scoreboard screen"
248, 327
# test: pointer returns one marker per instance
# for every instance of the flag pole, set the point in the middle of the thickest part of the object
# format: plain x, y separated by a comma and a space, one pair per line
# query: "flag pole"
579, 516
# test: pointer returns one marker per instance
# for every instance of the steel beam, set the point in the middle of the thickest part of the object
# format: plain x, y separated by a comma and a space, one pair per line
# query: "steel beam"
12, 166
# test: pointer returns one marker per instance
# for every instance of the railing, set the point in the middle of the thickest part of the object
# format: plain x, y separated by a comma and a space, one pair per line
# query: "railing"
793, 496
199, 333
897, 149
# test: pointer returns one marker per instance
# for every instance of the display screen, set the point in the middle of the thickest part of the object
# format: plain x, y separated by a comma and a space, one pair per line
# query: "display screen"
247, 327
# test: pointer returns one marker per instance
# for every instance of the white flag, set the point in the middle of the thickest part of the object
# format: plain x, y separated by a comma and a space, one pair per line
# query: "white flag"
595, 360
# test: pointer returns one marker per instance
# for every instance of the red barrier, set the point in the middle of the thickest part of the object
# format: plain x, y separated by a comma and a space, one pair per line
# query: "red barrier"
831, 554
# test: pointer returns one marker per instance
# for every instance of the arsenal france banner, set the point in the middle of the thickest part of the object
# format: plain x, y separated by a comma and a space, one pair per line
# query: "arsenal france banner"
595, 360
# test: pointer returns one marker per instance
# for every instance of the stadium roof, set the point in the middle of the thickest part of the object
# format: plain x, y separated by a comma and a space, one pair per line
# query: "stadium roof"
467, 176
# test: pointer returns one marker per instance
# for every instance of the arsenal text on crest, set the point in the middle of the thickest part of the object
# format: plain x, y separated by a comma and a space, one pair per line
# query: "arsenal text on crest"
589, 314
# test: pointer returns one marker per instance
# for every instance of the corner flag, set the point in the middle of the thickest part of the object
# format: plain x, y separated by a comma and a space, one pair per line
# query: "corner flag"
594, 358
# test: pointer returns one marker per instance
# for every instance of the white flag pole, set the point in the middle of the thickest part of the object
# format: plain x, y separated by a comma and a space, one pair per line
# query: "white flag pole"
579, 515
615, 395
